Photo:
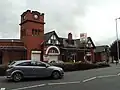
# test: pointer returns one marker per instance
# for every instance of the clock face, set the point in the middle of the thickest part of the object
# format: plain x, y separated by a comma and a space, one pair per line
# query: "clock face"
36, 16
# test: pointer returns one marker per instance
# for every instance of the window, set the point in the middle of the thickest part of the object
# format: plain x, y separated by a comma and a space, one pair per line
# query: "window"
53, 41
41, 64
24, 64
37, 63
35, 32
52, 37
57, 42
49, 41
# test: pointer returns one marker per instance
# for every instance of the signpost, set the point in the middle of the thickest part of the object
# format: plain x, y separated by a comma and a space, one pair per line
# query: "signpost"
83, 40
83, 37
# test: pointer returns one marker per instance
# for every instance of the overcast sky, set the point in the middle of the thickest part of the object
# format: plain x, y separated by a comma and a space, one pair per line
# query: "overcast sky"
94, 17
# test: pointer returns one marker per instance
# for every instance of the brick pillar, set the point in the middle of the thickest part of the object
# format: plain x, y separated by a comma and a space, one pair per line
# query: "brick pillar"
5, 57
28, 54
92, 55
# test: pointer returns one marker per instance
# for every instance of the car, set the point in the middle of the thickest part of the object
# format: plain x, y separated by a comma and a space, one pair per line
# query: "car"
18, 70
54, 61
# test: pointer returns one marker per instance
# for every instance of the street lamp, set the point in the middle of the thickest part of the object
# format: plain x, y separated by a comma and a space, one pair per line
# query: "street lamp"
117, 39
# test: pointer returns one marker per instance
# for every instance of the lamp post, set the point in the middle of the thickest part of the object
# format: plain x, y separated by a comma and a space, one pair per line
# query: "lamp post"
117, 39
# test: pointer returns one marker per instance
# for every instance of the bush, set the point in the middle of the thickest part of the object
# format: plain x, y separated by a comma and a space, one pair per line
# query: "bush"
2, 69
80, 66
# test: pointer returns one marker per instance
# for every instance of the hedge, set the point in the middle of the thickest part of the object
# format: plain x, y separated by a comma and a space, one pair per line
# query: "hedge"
80, 66
67, 66
2, 69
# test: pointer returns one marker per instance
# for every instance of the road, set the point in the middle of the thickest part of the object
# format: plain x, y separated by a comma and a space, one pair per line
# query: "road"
95, 79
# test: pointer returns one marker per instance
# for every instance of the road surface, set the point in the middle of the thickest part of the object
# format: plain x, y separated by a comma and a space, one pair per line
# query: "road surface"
95, 79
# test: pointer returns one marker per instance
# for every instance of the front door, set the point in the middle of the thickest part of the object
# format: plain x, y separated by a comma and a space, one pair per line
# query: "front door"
35, 55
27, 69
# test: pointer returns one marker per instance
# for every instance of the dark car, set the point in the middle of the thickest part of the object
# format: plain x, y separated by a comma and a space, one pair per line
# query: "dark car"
19, 70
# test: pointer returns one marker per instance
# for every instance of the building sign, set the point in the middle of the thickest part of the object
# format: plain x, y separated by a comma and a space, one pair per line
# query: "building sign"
83, 37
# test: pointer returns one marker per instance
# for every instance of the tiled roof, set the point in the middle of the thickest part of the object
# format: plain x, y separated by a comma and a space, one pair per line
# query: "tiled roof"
77, 42
48, 35
101, 48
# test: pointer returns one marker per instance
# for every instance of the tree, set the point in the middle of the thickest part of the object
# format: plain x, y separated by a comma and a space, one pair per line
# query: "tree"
113, 50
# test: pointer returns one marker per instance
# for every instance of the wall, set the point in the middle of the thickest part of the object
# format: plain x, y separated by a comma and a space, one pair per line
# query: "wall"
32, 42
8, 56
11, 44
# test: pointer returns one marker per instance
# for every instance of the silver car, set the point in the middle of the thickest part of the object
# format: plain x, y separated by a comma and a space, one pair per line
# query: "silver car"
19, 70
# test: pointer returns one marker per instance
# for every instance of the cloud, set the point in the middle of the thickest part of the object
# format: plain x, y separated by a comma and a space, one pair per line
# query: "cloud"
60, 15
9, 18
96, 17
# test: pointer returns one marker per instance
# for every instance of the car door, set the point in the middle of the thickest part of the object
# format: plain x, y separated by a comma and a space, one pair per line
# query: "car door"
41, 70
27, 69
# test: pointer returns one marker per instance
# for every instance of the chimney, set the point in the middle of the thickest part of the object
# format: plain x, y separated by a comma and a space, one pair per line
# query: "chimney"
69, 36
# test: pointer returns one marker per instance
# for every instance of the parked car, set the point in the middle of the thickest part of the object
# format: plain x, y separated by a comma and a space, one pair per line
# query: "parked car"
53, 61
19, 70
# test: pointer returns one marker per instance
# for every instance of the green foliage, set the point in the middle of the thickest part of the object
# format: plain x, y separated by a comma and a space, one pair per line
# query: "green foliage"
80, 66
68, 66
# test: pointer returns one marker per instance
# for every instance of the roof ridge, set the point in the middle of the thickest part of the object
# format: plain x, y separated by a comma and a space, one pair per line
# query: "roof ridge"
49, 32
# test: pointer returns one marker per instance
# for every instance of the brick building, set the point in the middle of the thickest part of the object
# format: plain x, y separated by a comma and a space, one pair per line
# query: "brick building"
67, 49
34, 44
102, 53
30, 44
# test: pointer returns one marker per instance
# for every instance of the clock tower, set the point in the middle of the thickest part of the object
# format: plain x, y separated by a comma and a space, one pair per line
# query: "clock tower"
32, 33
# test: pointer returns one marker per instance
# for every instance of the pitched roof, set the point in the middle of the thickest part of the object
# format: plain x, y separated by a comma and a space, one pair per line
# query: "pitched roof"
61, 39
77, 41
49, 34
92, 42
101, 48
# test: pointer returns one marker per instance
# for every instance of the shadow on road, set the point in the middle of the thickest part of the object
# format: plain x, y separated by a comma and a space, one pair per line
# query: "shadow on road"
28, 80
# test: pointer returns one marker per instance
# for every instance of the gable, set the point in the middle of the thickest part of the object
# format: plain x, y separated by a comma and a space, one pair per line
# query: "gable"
90, 43
53, 39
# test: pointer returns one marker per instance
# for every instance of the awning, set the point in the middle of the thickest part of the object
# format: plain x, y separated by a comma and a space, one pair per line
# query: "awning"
15, 48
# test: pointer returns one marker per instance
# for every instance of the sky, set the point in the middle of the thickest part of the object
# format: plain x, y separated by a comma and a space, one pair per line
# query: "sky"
94, 17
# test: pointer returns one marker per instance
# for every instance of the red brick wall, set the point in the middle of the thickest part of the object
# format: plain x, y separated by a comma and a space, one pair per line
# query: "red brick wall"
8, 56
11, 44
32, 42
98, 57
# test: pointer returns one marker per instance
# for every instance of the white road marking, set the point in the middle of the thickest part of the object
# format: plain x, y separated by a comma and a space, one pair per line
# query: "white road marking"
86, 80
106, 76
23, 88
60, 83
63, 83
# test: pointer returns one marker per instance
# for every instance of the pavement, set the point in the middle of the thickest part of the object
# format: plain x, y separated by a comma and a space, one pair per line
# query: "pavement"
94, 79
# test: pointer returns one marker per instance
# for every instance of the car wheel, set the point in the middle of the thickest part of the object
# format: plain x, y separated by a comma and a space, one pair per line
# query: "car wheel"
55, 75
17, 77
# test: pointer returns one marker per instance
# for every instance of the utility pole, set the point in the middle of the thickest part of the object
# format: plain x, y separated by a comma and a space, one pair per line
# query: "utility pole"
117, 39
